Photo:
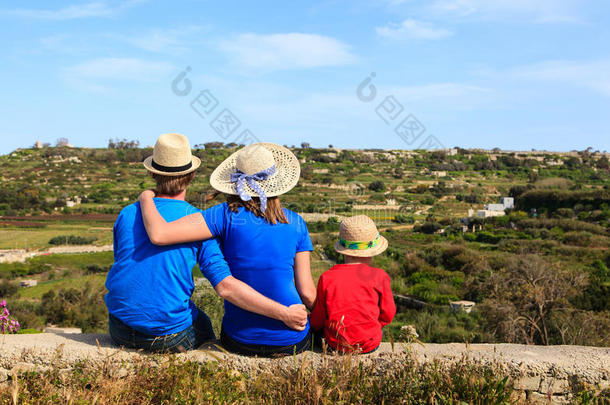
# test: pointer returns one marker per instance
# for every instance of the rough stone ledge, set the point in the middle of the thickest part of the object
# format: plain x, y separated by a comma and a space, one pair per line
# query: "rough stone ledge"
539, 372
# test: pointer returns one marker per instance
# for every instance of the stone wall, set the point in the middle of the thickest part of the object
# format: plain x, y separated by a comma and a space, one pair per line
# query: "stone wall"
541, 374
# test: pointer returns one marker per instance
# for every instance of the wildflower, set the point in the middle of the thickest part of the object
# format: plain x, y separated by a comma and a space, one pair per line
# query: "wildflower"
7, 325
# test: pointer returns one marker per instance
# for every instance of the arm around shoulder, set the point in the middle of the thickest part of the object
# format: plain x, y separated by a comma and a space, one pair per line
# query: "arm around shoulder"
186, 229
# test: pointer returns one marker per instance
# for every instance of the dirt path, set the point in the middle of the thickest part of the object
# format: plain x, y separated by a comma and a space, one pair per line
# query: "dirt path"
11, 256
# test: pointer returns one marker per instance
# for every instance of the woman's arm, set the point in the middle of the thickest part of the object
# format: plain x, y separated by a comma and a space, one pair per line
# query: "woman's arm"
317, 320
186, 229
303, 279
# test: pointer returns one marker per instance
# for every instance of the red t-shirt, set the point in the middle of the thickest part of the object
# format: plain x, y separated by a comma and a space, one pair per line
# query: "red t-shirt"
354, 302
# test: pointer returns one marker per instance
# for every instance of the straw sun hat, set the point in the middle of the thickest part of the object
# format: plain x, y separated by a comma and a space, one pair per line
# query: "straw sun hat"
172, 156
257, 170
358, 236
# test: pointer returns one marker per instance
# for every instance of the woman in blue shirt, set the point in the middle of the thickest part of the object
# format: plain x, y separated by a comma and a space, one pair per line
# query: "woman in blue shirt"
265, 245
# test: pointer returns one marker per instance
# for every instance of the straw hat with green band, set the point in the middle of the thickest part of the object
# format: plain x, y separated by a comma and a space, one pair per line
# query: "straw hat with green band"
358, 236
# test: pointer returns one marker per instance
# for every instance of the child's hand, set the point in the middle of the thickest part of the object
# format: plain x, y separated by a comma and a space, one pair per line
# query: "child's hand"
296, 317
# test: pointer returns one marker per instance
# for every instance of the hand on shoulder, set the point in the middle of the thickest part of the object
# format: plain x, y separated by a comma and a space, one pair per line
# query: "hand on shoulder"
146, 195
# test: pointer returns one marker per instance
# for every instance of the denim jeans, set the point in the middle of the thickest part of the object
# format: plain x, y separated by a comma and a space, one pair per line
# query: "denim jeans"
234, 346
188, 339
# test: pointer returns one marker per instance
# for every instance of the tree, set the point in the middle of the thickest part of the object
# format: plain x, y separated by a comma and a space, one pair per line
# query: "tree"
122, 144
377, 186
214, 145
525, 296
61, 142
305, 145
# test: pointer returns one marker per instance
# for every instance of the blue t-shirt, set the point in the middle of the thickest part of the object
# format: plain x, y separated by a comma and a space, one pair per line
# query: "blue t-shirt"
149, 286
261, 255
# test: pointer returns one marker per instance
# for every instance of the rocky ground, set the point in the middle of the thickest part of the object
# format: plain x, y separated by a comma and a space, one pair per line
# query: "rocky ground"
541, 373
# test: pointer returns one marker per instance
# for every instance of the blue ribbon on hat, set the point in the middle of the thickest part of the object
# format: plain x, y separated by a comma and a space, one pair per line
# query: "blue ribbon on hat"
240, 179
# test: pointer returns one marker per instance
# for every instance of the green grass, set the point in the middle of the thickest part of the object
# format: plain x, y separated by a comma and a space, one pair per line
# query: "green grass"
29, 331
36, 292
69, 262
32, 238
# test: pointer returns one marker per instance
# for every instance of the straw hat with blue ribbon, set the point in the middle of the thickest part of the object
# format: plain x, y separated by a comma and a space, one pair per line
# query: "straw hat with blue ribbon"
358, 236
258, 170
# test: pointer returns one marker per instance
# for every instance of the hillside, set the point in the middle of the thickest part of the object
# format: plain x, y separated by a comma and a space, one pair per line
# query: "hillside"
538, 274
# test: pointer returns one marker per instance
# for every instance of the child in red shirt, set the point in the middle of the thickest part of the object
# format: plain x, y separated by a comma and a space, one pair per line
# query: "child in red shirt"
355, 300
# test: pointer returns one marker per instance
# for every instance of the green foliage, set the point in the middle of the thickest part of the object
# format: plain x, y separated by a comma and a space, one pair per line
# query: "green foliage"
331, 225
377, 186
209, 302
403, 219
596, 296
84, 308
8, 288
71, 240
427, 227
551, 200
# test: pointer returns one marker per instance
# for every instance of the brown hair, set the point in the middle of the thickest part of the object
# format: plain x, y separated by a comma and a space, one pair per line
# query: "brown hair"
273, 214
172, 185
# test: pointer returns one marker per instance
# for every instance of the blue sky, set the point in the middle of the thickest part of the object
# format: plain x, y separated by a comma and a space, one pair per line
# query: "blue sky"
514, 74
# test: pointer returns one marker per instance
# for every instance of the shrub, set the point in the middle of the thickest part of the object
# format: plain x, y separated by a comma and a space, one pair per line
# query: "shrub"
427, 227
403, 219
72, 240
95, 268
577, 238
377, 186
8, 288
488, 237
429, 200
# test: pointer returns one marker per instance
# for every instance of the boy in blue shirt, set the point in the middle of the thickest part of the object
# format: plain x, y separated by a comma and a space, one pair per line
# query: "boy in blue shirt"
149, 287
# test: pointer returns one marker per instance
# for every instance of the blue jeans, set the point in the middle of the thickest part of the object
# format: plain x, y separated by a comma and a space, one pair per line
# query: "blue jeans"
234, 346
188, 339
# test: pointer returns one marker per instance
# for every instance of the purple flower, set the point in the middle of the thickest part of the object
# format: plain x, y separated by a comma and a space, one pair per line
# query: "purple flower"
3, 303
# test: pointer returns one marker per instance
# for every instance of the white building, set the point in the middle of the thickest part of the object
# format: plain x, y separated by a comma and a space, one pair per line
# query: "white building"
508, 202
463, 306
28, 283
438, 173
489, 213
505, 203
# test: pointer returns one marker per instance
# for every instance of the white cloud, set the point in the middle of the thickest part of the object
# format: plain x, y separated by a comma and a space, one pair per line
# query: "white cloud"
539, 11
168, 40
594, 75
454, 96
413, 29
85, 10
287, 51
95, 74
